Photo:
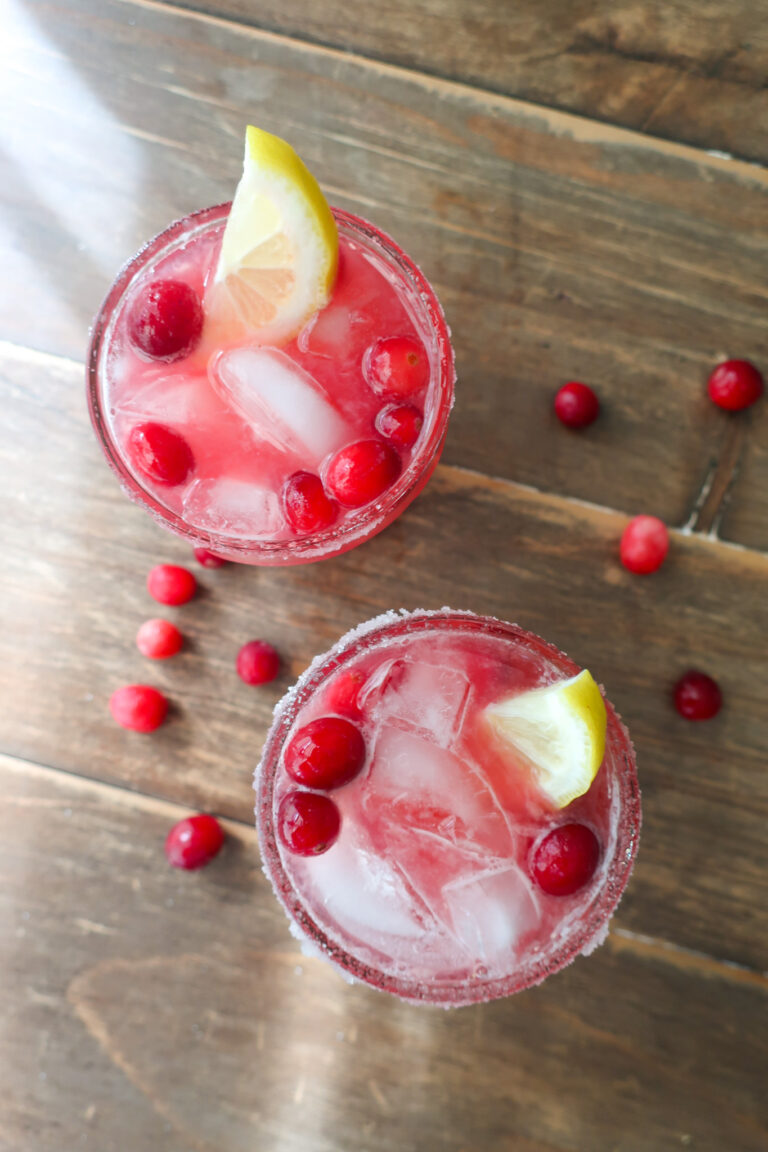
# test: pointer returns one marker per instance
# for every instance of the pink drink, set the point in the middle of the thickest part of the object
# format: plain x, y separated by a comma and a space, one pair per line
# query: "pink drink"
252, 417
428, 892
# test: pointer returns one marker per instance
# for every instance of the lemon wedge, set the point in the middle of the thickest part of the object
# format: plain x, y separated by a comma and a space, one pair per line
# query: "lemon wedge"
280, 249
560, 730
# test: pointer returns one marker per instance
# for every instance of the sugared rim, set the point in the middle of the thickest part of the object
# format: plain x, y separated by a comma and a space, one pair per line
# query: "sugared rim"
355, 528
369, 635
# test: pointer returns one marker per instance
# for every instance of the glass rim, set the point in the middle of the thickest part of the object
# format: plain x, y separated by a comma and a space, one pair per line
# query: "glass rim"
359, 525
443, 993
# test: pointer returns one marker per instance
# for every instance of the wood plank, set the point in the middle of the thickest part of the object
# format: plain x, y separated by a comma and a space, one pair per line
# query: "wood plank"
75, 557
561, 248
744, 512
180, 1010
666, 68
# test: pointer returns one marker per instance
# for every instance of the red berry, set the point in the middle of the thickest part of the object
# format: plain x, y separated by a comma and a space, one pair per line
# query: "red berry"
169, 584
400, 424
193, 842
325, 753
158, 639
398, 364
735, 384
308, 823
576, 405
208, 559
257, 662
166, 321
566, 859
138, 707
361, 471
160, 454
644, 544
697, 696
343, 691
307, 507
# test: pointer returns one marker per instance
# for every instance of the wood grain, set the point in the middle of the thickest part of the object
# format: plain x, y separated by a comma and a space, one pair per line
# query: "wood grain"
560, 248
76, 556
177, 1008
670, 68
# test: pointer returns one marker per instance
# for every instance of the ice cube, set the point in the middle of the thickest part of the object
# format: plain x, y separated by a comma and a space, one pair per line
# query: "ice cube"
182, 401
431, 698
233, 508
492, 912
281, 402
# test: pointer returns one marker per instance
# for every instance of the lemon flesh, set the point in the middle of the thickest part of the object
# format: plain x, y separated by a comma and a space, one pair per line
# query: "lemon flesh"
559, 730
280, 248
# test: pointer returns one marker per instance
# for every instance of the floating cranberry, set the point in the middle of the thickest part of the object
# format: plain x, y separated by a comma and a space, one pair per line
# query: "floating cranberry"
360, 472
166, 321
169, 584
343, 692
308, 823
158, 639
644, 544
306, 504
697, 696
257, 662
566, 859
735, 384
325, 753
396, 365
400, 424
138, 707
208, 559
576, 405
194, 842
160, 454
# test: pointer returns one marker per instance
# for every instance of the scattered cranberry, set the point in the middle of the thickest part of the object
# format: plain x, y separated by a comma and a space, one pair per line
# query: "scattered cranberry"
166, 321
307, 507
361, 471
566, 859
735, 384
160, 454
697, 696
257, 662
396, 365
193, 842
343, 691
138, 707
325, 753
208, 559
576, 405
169, 584
308, 823
158, 639
644, 544
400, 424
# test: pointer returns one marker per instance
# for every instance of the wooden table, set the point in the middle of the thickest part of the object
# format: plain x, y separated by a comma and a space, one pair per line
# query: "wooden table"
586, 190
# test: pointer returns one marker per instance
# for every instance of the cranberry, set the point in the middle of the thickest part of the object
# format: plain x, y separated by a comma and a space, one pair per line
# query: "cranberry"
735, 384
307, 507
400, 424
397, 364
697, 696
308, 823
166, 321
361, 471
208, 559
169, 584
158, 639
644, 544
566, 859
193, 842
257, 662
160, 454
576, 405
138, 707
343, 692
325, 753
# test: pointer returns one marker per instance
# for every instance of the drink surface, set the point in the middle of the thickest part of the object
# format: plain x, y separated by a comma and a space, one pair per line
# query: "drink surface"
428, 890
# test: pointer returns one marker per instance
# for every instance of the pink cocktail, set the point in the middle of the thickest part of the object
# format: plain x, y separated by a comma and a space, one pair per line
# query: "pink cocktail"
437, 885
217, 443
